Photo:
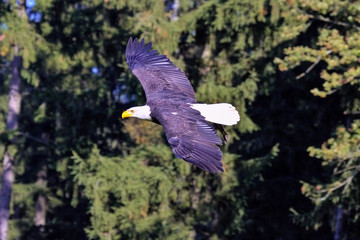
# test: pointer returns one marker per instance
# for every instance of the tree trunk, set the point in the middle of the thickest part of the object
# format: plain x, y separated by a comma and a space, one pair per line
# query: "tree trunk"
40, 214
175, 15
8, 161
41, 203
338, 223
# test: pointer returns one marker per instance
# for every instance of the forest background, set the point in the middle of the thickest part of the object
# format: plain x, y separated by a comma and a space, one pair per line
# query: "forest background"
291, 68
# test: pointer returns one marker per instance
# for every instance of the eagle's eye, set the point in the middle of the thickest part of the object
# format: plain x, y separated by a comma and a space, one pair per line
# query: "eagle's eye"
132, 111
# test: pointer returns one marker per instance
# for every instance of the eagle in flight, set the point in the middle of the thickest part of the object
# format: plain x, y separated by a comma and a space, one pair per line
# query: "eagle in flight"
190, 127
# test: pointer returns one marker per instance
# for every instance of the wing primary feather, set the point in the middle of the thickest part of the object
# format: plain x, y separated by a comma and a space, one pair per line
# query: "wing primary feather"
204, 155
156, 72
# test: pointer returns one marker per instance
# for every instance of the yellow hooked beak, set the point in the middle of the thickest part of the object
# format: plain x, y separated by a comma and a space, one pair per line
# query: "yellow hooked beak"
127, 113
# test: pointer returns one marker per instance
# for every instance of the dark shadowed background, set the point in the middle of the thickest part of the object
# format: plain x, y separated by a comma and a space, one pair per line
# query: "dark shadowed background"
291, 68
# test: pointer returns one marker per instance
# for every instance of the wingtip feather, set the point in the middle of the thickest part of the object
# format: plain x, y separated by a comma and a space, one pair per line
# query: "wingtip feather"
204, 155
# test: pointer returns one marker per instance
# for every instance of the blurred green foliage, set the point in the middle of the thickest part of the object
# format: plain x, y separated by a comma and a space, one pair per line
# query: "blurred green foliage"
291, 68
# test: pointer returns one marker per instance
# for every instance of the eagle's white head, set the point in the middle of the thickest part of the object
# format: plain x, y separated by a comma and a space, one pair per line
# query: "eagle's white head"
142, 112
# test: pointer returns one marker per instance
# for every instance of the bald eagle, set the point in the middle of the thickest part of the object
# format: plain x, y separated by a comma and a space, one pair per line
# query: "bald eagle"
190, 127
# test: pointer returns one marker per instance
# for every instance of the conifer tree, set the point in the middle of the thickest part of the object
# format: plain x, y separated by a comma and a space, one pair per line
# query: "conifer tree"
12, 113
332, 57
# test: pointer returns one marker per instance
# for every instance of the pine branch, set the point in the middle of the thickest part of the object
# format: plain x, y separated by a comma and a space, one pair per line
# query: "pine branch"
312, 66
328, 20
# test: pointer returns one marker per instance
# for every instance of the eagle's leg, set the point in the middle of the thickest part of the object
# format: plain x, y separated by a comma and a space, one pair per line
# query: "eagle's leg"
219, 127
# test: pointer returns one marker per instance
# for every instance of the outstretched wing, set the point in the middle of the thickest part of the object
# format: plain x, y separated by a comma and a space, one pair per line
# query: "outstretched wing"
156, 72
192, 138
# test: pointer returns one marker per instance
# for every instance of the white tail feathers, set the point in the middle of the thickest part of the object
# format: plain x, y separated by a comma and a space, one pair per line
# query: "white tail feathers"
221, 113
